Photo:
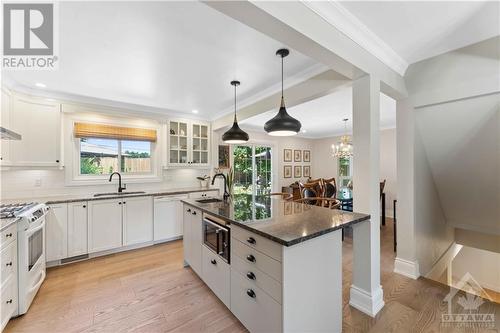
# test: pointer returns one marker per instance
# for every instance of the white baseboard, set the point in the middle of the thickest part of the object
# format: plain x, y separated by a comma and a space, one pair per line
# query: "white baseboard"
407, 268
368, 303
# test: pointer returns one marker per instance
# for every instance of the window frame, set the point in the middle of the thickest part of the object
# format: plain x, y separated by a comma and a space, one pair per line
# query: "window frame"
119, 156
342, 178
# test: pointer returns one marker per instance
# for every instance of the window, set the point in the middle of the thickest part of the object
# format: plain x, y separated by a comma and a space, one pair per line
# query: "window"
345, 171
105, 156
252, 170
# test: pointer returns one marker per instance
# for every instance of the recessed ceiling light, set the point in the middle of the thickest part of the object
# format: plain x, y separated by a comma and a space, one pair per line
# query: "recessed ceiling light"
195, 111
40, 85
303, 131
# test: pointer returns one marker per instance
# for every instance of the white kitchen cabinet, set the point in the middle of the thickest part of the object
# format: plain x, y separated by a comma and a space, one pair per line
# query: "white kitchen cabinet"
188, 143
105, 225
8, 275
137, 220
56, 231
217, 275
39, 123
168, 216
77, 229
193, 239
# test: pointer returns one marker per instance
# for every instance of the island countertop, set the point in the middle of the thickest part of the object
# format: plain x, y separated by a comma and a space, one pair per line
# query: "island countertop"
284, 222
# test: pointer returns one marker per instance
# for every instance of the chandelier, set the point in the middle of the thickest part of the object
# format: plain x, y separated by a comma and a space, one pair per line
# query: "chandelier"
344, 147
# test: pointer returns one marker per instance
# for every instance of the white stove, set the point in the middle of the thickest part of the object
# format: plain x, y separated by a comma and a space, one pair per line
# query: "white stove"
30, 219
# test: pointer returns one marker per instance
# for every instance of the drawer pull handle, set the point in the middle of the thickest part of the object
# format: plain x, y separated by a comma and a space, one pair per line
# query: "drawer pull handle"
194, 212
251, 275
8, 264
251, 293
8, 235
9, 301
213, 261
251, 240
189, 210
250, 258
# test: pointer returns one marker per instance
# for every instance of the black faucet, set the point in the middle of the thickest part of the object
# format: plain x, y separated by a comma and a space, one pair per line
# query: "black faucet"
120, 188
226, 193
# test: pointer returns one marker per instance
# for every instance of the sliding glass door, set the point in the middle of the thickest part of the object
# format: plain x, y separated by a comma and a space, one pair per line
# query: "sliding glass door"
252, 169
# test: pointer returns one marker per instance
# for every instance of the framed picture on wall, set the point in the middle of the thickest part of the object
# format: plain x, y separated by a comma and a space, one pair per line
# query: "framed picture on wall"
287, 155
287, 207
306, 171
297, 171
307, 155
287, 171
297, 155
223, 156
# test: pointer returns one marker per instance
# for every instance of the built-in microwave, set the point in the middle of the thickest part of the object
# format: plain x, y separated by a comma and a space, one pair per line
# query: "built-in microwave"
216, 236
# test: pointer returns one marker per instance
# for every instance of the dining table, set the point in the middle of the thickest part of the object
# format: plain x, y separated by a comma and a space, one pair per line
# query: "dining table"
345, 196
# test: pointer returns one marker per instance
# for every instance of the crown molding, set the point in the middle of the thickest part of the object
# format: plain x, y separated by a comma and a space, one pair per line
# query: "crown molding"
343, 20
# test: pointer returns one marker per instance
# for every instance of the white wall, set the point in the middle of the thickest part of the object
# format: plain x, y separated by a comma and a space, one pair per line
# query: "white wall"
326, 166
484, 266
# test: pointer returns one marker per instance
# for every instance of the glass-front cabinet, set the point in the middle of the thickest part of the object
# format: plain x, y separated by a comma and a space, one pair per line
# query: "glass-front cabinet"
188, 143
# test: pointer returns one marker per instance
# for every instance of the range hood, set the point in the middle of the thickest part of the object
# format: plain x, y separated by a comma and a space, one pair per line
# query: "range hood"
9, 135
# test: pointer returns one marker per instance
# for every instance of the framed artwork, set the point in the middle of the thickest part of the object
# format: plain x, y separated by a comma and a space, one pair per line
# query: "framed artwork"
223, 156
287, 155
307, 155
297, 155
287, 171
287, 207
297, 207
297, 171
306, 171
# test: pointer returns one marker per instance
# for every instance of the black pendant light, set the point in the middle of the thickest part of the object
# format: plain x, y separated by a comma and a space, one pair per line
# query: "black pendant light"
282, 124
235, 134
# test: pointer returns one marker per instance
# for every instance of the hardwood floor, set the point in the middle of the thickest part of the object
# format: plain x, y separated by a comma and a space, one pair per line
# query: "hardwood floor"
148, 290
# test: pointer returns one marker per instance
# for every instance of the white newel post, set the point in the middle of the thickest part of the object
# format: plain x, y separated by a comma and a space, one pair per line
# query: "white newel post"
406, 259
366, 292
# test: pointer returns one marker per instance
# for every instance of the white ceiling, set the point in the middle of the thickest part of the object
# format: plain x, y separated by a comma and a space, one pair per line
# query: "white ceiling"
417, 30
177, 56
323, 116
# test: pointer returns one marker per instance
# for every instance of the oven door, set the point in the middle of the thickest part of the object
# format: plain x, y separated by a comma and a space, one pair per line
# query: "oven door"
211, 235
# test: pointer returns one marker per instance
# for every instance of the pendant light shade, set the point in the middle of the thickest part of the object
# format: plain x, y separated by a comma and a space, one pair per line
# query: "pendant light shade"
282, 124
235, 134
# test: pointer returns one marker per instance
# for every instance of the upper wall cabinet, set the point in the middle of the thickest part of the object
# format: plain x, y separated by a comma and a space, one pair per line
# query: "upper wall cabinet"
188, 144
39, 123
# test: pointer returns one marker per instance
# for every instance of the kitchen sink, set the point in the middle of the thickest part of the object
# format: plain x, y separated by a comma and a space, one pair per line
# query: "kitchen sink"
209, 200
117, 193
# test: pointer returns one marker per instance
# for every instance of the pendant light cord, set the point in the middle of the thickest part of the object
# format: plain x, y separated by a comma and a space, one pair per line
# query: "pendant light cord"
282, 77
235, 103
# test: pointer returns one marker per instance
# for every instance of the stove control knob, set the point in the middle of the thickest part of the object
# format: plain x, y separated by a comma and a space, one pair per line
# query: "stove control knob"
33, 219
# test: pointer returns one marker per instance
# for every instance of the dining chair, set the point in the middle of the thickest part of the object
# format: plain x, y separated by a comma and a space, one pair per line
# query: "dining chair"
310, 189
330, 187
320, 201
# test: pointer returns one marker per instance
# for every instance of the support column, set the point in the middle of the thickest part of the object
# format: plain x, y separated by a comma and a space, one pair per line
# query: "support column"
406, 258
366, 291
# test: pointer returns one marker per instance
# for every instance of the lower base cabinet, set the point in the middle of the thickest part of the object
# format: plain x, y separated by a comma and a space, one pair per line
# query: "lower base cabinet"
137, 220
8, 275
105, 225
77, 229
217, 275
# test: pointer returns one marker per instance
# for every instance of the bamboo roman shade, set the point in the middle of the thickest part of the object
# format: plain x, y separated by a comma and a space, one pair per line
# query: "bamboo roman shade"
85, 130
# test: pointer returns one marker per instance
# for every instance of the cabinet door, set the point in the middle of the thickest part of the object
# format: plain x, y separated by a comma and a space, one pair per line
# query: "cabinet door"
137, 220
178, 145
56, 232
186, 239
168, 218
199, 144
5, 122
39, 123
196, 240
77, 229
105, 225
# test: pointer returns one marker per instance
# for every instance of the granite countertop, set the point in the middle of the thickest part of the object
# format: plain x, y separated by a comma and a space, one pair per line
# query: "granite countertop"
55, 199
284, 222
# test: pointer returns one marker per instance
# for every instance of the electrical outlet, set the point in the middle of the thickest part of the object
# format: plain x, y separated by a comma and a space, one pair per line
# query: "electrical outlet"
38, 182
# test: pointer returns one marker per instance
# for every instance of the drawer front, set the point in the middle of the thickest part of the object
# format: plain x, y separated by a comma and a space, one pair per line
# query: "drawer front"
9, 262
8, 299
257, 242
217, 275
196, 195
256, 259
8, 235
257, 278
259, 313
